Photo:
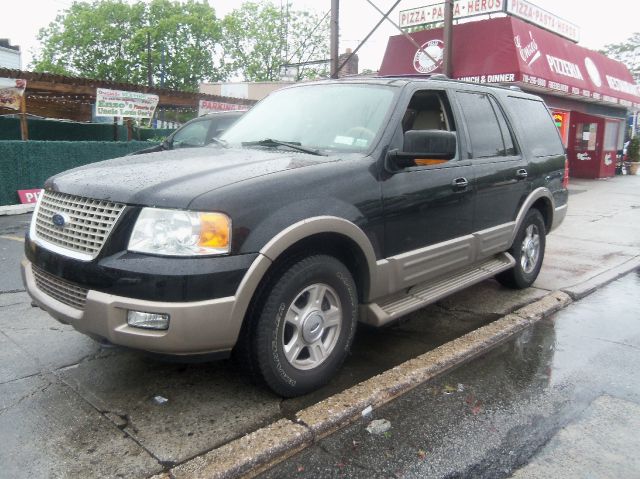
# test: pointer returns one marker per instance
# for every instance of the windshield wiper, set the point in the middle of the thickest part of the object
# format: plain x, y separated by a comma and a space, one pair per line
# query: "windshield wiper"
273, 143
220, 142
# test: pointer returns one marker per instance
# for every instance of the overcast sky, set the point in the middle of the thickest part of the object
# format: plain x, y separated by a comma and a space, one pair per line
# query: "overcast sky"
601, 22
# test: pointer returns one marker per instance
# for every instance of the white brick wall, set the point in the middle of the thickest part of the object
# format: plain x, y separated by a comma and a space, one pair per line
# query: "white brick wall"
9, 58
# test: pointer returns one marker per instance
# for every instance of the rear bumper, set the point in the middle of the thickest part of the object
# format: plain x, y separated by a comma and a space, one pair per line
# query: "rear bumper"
198, 327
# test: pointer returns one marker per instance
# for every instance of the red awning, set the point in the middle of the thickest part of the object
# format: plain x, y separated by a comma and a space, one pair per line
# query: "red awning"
508, 50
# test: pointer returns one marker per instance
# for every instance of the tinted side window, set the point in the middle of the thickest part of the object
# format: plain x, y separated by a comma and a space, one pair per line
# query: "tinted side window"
482, 123
536, 122
509, 148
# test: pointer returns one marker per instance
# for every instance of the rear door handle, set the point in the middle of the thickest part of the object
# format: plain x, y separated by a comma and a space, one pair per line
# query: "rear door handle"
460, 183
521, 174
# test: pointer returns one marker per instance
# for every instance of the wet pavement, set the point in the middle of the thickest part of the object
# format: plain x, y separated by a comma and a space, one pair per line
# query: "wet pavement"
69, 408
12, 230
50, 373
561, 399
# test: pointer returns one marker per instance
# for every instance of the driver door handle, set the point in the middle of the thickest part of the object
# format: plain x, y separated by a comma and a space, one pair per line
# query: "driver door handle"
460, 183
521, 174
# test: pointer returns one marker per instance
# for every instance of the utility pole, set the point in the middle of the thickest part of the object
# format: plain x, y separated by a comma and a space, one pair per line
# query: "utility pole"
334, 48
149, 72
447, 66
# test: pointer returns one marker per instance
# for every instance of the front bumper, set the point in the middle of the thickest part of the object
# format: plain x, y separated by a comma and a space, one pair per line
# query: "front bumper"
197, 327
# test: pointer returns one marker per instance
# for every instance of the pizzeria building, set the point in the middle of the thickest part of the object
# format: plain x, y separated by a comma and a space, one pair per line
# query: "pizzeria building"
588, 93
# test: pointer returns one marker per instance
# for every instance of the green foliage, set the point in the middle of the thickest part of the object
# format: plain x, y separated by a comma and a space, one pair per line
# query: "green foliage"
107, 40
258, 38
633, 150
627, 53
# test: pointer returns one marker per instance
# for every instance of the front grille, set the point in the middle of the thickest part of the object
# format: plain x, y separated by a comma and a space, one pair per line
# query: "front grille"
64, 291
88, 224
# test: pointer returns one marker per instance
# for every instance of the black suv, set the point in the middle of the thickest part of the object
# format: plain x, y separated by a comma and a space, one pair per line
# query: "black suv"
326, 204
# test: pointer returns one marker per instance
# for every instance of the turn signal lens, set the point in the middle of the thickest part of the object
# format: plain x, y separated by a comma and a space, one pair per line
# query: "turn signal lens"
214, 231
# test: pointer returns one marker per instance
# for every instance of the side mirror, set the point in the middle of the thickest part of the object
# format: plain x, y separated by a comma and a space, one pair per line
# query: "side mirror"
424, 145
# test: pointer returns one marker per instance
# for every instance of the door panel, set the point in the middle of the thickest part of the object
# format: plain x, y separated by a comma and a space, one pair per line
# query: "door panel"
586, 134
423, 207
501, 188
433, 202
500, 171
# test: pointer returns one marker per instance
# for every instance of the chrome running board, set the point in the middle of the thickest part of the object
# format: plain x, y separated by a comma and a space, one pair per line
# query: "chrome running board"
396, 305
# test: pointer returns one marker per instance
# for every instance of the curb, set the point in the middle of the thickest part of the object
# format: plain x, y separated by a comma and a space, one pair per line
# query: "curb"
587, 287
17, 209
262, 449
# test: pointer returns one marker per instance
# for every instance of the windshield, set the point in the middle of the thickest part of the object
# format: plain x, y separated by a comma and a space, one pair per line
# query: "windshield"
342, 117
192, 134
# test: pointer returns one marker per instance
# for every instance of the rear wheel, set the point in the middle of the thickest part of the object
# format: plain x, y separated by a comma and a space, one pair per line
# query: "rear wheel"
306, 325
528, 251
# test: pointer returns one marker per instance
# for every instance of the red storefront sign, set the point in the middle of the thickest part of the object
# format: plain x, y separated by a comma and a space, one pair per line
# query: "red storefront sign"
29, 196
208, 106
508, 50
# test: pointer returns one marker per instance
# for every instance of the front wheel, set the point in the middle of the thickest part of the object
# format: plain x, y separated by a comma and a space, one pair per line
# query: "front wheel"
528, 251
306, 325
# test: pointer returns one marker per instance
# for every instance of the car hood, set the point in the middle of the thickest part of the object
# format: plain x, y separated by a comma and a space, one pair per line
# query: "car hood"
173, 179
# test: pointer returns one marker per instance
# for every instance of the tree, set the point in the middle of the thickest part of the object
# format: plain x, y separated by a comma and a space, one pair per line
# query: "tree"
259, 38
628, 52
107, 40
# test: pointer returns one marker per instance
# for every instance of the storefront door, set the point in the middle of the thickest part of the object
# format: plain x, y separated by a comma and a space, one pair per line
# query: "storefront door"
586, 135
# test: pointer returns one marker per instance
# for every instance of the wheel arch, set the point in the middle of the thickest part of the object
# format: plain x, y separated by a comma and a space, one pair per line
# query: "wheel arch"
322, 235
540, 199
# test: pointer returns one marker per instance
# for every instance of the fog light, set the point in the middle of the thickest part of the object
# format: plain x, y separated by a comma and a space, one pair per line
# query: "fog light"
140, 319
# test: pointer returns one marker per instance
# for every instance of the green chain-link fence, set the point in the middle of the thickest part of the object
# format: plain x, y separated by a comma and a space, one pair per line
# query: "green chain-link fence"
27, 164
53, 130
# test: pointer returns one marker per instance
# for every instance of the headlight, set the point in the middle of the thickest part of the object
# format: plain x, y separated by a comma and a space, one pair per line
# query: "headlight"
180, 233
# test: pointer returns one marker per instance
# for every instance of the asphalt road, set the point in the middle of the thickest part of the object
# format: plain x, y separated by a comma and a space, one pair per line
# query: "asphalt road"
562, 399
69, 408
12, 229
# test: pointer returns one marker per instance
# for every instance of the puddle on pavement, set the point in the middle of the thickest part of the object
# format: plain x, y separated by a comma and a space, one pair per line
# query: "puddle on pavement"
545, 352
377, 350
490, 416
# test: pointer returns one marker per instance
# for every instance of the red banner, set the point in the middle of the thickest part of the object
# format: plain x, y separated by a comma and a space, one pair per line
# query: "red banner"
508, 50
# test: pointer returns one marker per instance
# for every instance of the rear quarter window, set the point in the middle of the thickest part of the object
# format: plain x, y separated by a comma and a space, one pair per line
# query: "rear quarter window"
536, 124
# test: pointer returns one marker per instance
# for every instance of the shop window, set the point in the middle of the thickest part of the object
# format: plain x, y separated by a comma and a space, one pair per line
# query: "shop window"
585, 139
611, 129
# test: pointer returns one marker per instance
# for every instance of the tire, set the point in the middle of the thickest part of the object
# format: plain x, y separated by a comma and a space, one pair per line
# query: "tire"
528, 251
305, 326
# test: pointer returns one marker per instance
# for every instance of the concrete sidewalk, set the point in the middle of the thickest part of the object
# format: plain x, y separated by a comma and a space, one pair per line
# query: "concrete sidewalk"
16, 209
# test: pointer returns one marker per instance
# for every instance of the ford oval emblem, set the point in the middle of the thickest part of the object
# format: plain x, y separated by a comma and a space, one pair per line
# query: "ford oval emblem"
60, 219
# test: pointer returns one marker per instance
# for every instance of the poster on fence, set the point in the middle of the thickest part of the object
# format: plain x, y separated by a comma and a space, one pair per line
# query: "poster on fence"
11, 92
127, 104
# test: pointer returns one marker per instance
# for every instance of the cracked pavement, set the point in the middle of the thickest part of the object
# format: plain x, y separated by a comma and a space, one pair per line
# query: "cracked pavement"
70, 408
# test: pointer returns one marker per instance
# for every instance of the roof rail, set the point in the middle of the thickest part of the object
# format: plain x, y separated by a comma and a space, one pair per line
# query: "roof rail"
435, 76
